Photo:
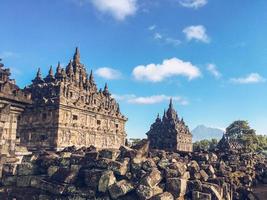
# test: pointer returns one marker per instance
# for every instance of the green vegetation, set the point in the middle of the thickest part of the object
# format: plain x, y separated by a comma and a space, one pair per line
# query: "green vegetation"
134, 141
240, 132
205, 145
243, 133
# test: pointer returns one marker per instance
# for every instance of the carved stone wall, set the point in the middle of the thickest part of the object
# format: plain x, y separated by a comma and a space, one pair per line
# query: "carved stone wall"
84, 128
38, 127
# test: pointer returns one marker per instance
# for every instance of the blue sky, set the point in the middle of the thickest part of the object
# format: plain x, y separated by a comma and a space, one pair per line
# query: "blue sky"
209, 55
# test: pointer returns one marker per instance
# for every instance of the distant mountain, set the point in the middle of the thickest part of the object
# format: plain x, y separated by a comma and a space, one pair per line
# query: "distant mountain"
202, 132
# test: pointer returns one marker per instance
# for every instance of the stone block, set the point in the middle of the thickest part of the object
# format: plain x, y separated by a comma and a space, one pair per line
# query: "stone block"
9, 169
65, 175
24, 181
9, 180
163, 196
120, 189
145, 192
153, 178
52, 170
25, 169
211, 189
53, 188
106, 180
119, 168
204, 175
109, 153
176, 186
196, 195
92, 177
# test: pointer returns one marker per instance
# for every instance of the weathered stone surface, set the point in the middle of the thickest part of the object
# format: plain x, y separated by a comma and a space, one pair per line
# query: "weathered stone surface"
92, 177
106, 180
26, 169
52, 170
56, 189
163, 196
108, 153
119, 168
176, 186
120, 188
65, 175
145, 192
24, 181
153, 178
196, 195
215, 194
204, 175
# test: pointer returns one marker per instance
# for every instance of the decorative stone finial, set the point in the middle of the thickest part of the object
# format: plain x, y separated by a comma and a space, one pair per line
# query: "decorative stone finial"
91, 77
69, 68
106, 92
170, 105
51, 73
76, 57
38, 74
58, 68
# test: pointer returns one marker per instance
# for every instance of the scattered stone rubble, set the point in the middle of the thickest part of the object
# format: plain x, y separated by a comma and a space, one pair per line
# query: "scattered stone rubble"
133, 173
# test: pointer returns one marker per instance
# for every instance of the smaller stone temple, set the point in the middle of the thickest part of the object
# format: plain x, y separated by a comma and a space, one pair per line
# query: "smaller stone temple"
170, 133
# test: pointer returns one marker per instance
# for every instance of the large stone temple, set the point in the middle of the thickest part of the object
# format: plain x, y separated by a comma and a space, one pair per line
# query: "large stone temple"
62, 109
170, 133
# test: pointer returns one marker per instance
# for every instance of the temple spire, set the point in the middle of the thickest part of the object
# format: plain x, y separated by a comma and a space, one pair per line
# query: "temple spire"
51, 73
106, 92
38, 74
91, 77
164, 114
58, 71
58, 68
76, 57
69, 68
38, 77
171, 105
158, 118
171, 113
50, 76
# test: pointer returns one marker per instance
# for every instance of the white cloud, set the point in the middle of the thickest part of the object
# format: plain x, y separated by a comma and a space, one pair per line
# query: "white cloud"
197, 33
249, 79
157, 36
108, 73
193, 3
213, 70
172, 41
119, 9
152, 27
145, 100
168, 68
8, 54
166, 40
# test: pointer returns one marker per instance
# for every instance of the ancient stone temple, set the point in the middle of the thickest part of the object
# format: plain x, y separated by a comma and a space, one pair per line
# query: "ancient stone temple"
62, 109
170, 133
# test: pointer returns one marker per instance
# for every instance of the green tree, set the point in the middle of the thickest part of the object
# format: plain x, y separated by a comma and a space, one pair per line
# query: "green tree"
134, 141
205, 145
240, 132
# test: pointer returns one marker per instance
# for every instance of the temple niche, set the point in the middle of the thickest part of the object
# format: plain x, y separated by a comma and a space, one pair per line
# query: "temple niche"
170, 133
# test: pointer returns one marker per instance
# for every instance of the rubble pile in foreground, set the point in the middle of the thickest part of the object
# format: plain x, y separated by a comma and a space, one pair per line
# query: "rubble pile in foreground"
132, 173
